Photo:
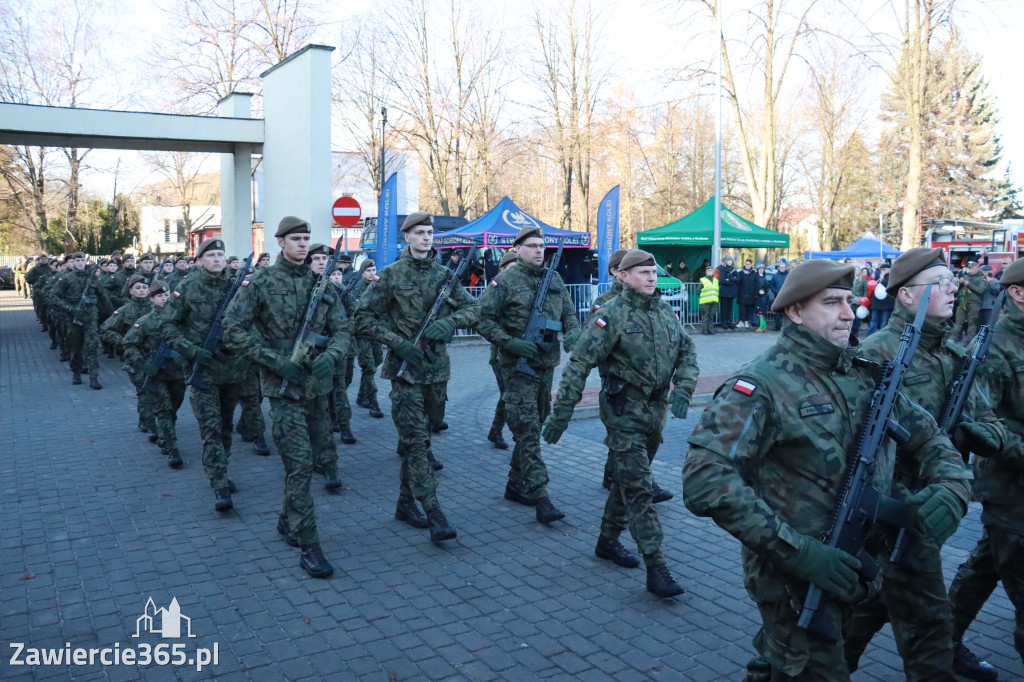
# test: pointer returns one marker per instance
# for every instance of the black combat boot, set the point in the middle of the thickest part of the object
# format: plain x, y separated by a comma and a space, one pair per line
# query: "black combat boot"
76, 378
613, 549
361, 402
496, 438
375, 410
661, 583
606, 483
286, 533
335, 428
315, 563
434, 464
331, 482
346, 436
174, 459
439, 527
53, 345
443, 426
222, 498
232, 487
94, 383
514, 493
546, 512
153, 436
142, 426
660, 494
259, 446
965, 663
408, 511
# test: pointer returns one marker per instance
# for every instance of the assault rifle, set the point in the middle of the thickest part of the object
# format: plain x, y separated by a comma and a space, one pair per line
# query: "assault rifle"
861, 505
156, 363
211, 341
538, 325
444, 293
952, 414
307, 340
86, 300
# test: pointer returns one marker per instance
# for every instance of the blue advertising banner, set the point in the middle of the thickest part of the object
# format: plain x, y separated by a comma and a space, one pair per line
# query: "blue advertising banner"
607, 232
387, 222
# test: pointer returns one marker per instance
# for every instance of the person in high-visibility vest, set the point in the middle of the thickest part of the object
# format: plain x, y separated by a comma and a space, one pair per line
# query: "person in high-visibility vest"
708, 290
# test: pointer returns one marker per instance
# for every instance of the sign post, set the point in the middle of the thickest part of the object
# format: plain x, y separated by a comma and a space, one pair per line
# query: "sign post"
346, 212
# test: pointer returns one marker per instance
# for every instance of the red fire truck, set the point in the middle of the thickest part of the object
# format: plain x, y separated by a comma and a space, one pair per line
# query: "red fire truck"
963, 240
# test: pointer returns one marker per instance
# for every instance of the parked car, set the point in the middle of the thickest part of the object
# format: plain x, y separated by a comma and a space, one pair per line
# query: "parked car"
6, 277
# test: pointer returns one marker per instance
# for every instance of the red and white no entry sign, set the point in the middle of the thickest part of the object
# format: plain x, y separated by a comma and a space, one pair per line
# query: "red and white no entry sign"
346, 211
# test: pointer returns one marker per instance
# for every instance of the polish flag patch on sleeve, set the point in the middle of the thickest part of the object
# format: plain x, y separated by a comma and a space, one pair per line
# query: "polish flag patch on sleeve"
136, 325
597, 307
600, 323
494, 283
115, 312
177, 294
744, 386
376, 278
245, 283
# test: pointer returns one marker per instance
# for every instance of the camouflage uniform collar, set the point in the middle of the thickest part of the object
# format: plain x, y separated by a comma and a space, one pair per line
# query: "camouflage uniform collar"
932, 335
617, 287
1014, 317
814, 348
210, 277
530, 269
293, 269
640, 300
421, 263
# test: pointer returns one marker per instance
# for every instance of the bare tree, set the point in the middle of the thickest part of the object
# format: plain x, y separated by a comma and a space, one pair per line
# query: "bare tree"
281, 28
182, 171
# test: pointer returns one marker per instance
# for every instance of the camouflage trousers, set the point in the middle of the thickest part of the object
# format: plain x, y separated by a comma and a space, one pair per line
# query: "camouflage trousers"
527, 404
916, 604
498, 423
340, 408
162, 400
321, 436
251, 423
350, 365
83, 346
412, 407
998, 555
707, 317
789, 653
292, 424
969, 321
370, 357
633, 440
214, 408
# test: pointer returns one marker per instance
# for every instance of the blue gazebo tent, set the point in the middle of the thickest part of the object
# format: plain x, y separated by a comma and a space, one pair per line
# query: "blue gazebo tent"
868, 247
499, 227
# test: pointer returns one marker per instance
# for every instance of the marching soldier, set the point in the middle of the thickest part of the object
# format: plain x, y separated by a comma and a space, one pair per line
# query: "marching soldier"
616, 288
112, 333
165, 389
769, 458
504, 313
495, 435
915, 601
185, 322
391, 311
36, 278
147, 269
84, 304
370, 353
999, 553
638, 341
262, 325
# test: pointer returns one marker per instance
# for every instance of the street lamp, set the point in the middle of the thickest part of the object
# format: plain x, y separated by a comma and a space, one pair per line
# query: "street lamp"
383, 131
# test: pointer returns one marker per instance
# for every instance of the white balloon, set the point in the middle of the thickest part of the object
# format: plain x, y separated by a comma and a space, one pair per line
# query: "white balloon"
862, 312
880, 292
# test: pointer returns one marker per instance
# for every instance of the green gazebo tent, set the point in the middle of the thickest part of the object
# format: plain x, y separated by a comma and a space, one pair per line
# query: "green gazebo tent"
689, 238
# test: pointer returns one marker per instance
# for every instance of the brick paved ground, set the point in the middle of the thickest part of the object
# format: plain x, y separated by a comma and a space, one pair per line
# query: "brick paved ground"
94, 524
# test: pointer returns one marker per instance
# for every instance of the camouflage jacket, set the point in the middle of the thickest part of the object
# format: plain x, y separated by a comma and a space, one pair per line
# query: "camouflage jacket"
637, 338
392, 310
140, 345
264, 319
114, 328
604, 297
66, 293
187, 317
148, 276
505, 308
768, 460
38, 270
112, 284
974, 289
1000, 484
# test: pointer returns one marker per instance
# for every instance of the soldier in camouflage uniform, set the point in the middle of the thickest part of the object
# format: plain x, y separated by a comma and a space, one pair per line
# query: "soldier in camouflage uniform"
494, 435
974, 290
35, 278
50, 313
147, 269
391, 311
505, 309
915, 601
82, 339
164, 385
769, 458
185, 321
112, 333
252, 427
19, 269
638, 341
999, 554
262, 325
340, 420
369, 353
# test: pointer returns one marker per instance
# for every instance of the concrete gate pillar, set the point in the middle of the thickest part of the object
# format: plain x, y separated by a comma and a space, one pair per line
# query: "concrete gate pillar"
235, 182
297, 143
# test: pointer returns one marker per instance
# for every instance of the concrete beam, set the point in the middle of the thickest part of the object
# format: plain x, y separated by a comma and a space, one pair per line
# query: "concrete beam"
235, 184
26, 124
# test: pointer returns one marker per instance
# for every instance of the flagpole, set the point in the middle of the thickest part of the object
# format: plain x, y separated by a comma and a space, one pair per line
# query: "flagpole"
716, 244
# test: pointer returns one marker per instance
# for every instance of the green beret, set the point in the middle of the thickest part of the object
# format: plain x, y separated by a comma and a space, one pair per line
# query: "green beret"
526, 233
262, 256
319, 250
158, 287
180, 258
1013, 274
147, 256
415, 219
129, 256
76, 254
368, 263
135, 279
290, 224
810, 277
615, 259
209, 244
911, 263
510, 257
232, 259
634, 258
